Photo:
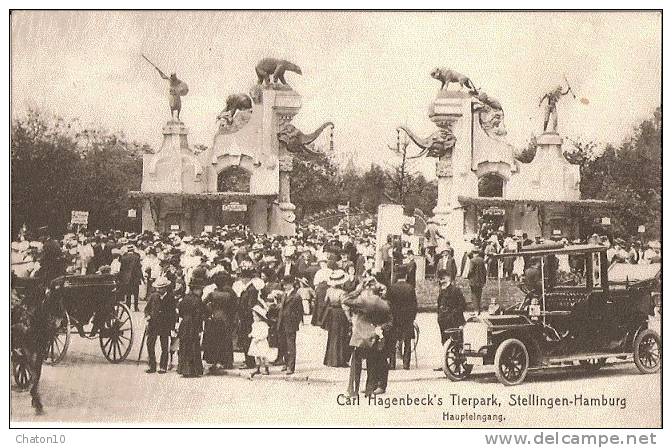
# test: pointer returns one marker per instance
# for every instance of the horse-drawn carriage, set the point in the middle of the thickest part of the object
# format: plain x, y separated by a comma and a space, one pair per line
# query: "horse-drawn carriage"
86, 304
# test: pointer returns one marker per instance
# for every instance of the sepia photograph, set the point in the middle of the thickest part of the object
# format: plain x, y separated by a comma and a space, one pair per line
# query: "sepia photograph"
336, 219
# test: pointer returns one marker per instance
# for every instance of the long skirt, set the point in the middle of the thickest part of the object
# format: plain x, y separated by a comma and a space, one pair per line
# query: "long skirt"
217, 343
189, 357
338, 339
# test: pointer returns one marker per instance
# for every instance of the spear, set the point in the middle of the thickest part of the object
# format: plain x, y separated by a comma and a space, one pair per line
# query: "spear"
583, 100
153, 65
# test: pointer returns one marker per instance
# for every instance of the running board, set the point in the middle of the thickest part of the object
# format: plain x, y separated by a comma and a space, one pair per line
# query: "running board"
583, 357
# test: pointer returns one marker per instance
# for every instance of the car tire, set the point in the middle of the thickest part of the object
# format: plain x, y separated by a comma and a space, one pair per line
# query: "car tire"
512, 362
647, 351
454, 366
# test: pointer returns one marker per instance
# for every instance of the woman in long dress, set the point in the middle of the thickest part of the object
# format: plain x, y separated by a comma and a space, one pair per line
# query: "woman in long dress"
336, 323
193, 312
217, 336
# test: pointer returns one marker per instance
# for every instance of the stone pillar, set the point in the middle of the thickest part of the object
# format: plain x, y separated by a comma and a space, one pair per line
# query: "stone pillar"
282, 213
446, 111
280, 106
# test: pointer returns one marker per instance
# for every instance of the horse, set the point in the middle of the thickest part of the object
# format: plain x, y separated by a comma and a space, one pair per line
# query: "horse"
35, 319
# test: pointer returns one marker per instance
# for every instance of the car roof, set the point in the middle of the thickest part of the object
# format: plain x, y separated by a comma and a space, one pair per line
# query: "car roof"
570, 249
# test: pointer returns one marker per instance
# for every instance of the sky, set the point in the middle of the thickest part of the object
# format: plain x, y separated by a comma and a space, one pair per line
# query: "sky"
368, 72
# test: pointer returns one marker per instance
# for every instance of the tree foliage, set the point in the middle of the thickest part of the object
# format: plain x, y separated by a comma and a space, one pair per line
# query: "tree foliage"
629, 175
58, 166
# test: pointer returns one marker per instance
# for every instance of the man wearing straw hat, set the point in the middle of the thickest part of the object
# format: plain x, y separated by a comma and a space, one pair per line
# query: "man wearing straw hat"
161, 318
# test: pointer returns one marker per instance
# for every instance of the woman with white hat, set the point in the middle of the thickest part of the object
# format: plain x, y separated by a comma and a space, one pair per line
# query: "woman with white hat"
336, 322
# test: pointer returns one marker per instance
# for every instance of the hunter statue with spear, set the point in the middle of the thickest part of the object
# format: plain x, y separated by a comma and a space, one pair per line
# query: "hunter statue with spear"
552, 99
176, 89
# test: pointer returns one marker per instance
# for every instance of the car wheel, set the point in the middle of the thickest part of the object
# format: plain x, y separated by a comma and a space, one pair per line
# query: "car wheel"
455, 366
593, 364
647, 351
512, 362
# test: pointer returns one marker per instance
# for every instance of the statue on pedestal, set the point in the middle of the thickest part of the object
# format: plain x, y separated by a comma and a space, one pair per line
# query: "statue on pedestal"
551, 111
176, 89
446, 76
268, 67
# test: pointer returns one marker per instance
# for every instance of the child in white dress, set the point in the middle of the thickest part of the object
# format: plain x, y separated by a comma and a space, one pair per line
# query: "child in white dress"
259, 347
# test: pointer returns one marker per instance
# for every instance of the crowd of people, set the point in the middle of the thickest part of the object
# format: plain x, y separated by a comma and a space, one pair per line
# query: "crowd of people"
230, 290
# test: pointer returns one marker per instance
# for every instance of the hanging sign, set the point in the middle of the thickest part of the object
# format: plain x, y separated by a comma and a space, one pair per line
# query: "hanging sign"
234, 207
174, 227
207, 229
641, 229
131, 213
606, 221
79, 217
344, 208
557, 232
496, 211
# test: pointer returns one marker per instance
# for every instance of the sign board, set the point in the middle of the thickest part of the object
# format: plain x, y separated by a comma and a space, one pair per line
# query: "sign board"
234, 207
641, 229
132, 213
557, 232
518, 232
207, 229
174, 227
78, 217
494, 211
344, 208
606, 221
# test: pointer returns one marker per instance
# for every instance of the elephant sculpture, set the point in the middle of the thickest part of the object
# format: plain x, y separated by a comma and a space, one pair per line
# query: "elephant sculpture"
296, 142
438, 144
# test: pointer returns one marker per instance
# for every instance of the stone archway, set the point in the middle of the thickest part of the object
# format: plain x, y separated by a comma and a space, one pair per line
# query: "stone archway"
491, 185
234, 178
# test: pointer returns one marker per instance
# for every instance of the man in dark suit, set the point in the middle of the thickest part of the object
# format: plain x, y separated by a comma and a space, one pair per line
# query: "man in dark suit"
477, 276
161, 318
130, 276
51, 260
411, 268
450, 305
102, 253
289, 319
404, 307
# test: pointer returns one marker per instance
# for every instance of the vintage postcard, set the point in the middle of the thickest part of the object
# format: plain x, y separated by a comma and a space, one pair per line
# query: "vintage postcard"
417, 219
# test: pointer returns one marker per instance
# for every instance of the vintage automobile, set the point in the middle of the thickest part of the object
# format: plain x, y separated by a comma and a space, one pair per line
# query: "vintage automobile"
586, 315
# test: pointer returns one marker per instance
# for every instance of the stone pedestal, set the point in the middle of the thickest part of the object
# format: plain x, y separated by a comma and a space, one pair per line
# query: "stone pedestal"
446, 111
280, 106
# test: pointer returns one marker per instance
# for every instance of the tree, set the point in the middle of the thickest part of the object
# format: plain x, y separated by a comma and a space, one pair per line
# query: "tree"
58, 166
629, 175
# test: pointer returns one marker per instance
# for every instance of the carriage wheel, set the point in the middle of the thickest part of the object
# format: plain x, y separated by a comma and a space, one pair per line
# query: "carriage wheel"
416, 336
22, 375
60, 342
116, 336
